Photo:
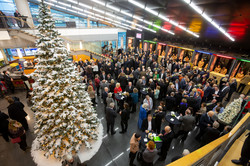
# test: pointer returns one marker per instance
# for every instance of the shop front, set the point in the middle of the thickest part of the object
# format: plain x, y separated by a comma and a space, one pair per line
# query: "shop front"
185, 55
201, 59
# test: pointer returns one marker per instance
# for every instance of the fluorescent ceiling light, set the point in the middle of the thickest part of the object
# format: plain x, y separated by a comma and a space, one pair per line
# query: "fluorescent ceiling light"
137, 17
113, 8
99, 2
155, 13
64, 4
163, 17
128, 14
207, 17
51, 4
137, 3
151, 11
157, 26
109, 14
52, 0
198, 10
73, 1
77, 8
86, 11
84, 5
73, 11
60, 7
98, 10
148, 22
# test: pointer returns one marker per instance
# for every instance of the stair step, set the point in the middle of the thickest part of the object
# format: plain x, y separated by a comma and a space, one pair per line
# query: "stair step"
234, 151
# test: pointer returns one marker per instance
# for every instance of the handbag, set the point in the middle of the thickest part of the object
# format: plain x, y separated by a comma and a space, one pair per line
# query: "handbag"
139, 156
16, 140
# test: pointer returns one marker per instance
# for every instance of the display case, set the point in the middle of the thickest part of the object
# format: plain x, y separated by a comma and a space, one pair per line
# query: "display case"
201, 59
161, 48
185, 55
222, 64
173, 52
241, 68
149, 46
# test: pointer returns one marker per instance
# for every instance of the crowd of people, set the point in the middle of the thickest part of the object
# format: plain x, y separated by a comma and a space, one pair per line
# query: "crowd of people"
158, 86
129, 83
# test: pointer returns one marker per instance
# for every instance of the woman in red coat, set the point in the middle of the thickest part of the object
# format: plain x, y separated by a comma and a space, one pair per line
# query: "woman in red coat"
118, 88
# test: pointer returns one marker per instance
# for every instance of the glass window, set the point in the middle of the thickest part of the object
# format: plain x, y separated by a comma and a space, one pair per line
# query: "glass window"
8, 7
61, 18
241, 69
221, 65
8, 54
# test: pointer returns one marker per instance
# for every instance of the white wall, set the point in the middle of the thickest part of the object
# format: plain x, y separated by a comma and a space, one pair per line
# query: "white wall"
93, 34
4, 35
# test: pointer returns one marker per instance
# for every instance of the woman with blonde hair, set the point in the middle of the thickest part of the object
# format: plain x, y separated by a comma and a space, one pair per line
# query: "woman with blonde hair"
91, 94
17, 134
142, 114
118, 88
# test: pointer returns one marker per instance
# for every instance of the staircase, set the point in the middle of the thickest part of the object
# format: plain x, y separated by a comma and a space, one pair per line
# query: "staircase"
14, 33
234, 151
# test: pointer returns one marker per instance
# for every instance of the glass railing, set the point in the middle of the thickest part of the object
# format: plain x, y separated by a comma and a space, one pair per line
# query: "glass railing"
212, 153
11, 22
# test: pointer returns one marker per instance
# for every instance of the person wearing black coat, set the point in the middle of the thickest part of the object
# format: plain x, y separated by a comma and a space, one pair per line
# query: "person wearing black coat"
207, 92
129, 88
211, 134
224, 92
124, 118
123, 81
8, 80
245, 157
233, 88
16, 112
110, 118
159, 115
178, 97
166, 137
205, 121
4, 126
148, 124
170, 102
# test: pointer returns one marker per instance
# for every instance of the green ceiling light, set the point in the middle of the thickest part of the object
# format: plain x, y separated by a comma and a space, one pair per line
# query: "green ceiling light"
244, 60
150, 41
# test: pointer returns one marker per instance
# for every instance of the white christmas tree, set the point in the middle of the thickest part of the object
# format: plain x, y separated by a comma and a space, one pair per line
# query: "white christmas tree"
231, 111
64, 116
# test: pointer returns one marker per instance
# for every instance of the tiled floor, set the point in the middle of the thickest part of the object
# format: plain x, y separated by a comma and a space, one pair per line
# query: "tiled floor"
113, 151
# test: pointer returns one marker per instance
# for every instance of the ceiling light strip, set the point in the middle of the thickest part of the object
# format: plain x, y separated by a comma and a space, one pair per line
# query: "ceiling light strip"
204, 15
134, 2
133, 16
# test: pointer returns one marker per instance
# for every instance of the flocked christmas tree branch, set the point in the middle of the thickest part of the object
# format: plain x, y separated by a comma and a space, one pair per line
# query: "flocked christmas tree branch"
65, 117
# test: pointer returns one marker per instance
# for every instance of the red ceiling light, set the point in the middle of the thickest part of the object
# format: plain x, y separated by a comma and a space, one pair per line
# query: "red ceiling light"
223, 56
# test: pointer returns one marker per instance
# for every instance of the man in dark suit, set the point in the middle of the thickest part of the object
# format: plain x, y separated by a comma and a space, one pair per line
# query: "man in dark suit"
129, 88
110, 118
211, 105
148, 124
103, 76
233, 88
245, 151
224, 91
166, 137
183, 83
189, 87
211, 134
105, 95
188, 123
205, 121
162, 74
207, 92
9, 81
170, 101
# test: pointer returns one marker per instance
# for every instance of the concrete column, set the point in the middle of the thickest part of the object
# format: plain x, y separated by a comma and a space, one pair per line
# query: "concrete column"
4, 57
23, 9
88, 23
